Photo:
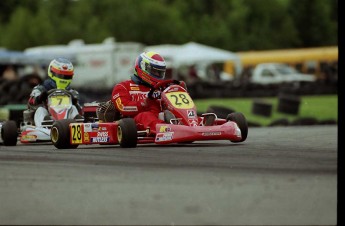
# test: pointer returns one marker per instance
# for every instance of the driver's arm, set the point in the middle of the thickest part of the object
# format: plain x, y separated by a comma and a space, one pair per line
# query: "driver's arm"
124, 102
37, 95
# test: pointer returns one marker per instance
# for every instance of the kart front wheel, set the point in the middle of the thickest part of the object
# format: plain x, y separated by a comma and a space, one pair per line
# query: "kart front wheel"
9, 133
60, 134
241, 122
127, 134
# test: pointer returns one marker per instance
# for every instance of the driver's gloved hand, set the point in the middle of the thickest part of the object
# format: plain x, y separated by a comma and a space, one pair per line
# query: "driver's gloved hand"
75, 94
156, 94
37, 96
183, 84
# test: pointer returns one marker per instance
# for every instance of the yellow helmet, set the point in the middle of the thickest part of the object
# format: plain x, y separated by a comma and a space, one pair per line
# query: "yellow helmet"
61, 71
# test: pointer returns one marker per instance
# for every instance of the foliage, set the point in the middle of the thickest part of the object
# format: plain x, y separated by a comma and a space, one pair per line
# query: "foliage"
235, 25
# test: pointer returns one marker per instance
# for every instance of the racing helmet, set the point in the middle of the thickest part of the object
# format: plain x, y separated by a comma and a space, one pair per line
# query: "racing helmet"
150, 68
61, 71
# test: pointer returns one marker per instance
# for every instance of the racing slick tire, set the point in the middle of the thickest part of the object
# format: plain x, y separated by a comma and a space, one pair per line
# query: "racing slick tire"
60, 134
9, 133
127, 134
241, 122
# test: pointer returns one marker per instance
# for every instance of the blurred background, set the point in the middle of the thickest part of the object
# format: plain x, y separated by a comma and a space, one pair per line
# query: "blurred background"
221, 48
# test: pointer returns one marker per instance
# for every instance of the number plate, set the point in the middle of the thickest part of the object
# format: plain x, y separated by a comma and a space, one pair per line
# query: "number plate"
59, 101
76, 133
180, 100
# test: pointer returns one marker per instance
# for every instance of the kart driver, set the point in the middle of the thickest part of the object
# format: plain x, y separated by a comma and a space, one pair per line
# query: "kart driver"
130, 97
60, 72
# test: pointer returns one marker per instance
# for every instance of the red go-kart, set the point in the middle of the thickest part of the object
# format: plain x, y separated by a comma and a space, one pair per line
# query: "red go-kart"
185, 127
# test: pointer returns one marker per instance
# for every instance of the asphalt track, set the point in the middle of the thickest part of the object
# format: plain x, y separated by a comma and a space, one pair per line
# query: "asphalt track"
279, 176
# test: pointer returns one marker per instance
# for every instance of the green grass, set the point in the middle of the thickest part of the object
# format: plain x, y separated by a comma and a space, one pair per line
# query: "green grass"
319, 107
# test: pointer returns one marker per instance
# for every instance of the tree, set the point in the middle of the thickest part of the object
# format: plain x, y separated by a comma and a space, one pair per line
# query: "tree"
235, 25
266, 26
314, 22
17, 31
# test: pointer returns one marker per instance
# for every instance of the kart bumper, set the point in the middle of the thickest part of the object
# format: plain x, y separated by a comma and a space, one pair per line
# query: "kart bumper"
169, 133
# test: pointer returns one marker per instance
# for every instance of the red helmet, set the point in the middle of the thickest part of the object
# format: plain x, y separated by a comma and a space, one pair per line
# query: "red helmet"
150, 68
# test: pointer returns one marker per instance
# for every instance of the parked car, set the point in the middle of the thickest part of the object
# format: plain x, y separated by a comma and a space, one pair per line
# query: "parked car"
275, 73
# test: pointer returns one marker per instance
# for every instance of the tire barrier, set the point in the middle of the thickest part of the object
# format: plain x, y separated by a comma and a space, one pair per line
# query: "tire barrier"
234, 89
253, 124
328, 122
288, 104
305, 121
262, 108
19, 91
280, 122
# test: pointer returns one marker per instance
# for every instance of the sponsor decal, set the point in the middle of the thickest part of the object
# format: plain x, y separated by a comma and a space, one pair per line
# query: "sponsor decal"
86, 137
99, 139
102, 134
130, 108
119, 104
164, 129
94, 126
211, 133
87, 127
116, 96
138, 95
29, 137
191, 114
164, 136
102, 137
135, 88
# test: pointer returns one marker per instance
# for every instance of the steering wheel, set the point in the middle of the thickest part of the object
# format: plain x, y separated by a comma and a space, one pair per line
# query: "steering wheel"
161, 85
63, 90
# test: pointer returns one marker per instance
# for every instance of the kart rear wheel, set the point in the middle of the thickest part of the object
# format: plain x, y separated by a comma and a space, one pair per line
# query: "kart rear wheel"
241, 122
60, 134
9, 133
127, 134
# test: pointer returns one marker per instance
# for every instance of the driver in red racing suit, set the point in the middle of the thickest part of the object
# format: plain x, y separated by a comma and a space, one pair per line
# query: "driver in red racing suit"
130, 97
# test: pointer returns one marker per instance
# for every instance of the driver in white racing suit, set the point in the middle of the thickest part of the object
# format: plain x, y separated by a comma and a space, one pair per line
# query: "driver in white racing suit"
60, 72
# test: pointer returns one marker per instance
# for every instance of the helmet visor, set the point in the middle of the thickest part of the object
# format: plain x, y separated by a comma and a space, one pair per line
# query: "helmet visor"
157, 72
68, 77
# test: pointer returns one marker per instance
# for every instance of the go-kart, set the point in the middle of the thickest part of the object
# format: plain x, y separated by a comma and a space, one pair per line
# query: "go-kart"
185, 127
59, 103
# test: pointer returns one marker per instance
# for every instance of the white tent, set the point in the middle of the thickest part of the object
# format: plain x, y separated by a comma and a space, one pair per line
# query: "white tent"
193, 54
